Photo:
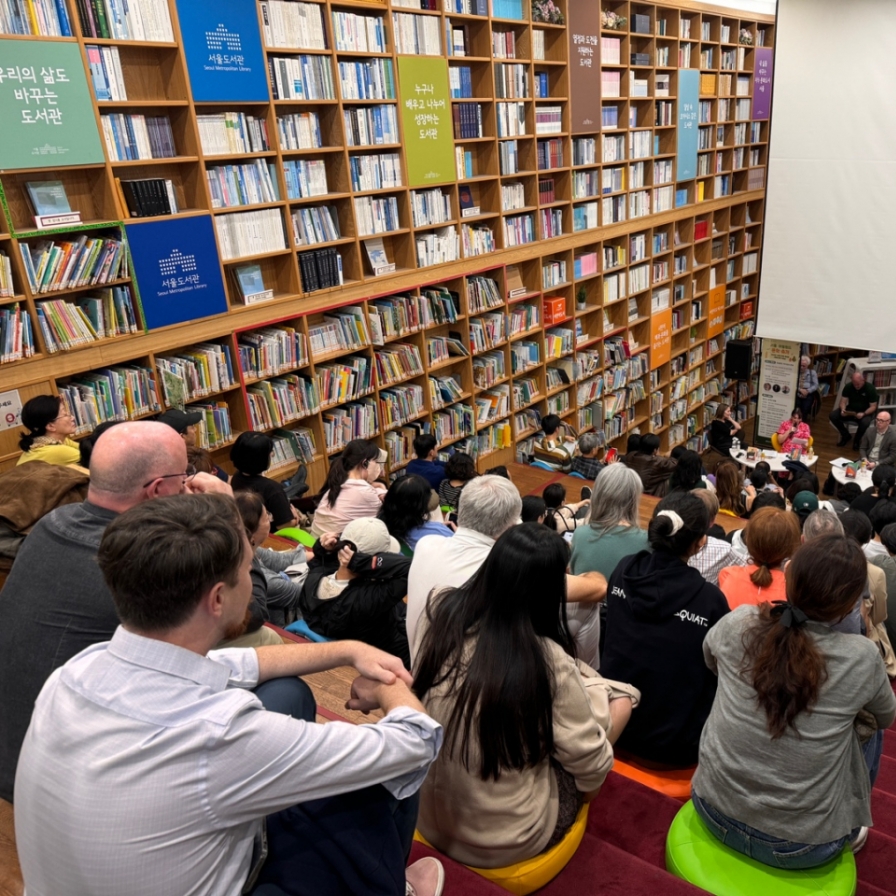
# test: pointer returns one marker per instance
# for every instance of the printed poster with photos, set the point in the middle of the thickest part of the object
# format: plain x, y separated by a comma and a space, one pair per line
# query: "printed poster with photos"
779, 373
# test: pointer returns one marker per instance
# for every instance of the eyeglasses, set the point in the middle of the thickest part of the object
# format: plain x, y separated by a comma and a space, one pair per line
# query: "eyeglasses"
188, 474
64, 415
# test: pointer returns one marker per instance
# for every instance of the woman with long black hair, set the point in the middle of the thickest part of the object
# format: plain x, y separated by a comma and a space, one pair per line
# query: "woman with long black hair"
782, 777
527, 729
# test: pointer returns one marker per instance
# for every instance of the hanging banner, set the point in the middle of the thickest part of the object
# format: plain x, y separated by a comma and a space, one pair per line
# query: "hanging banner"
426, 119
716, 323
688, 101
45, 106
779, 372
225, 60
176, 270
660, 338
762, 83
583, 28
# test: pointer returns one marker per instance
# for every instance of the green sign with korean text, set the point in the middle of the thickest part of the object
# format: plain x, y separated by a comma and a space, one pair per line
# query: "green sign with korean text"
426, 118
45, 106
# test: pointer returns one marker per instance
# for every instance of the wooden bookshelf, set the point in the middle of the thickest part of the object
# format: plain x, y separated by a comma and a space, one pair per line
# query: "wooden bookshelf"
558, 197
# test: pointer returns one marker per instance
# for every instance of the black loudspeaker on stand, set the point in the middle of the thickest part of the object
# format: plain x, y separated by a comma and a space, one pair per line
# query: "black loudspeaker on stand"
738, 359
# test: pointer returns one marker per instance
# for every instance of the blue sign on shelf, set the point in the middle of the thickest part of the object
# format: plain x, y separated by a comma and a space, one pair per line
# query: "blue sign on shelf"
176, 269
223, 49
688, 103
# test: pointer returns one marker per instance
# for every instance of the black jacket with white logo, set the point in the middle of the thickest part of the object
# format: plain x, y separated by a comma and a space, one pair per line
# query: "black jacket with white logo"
659, 610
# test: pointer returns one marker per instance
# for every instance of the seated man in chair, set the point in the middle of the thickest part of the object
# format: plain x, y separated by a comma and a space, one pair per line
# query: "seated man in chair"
858, 402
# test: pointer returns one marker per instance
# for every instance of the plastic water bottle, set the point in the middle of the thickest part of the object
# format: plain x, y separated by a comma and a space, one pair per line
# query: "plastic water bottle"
735, 445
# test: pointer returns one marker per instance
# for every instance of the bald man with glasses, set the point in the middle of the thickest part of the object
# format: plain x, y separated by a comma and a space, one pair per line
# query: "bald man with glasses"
878, 445
55, 603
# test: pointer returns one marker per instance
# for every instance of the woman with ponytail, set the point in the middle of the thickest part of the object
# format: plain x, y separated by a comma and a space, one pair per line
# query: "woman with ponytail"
771, 537
351, 491
782, 777
659, 610
49, 427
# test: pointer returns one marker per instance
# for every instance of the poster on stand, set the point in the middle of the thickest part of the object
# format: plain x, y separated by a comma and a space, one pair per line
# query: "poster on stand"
779, 372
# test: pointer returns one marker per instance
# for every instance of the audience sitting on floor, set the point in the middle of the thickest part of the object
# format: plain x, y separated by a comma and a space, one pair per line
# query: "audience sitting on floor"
186, 425
883, 485
410, 511
688, 473
771, 536
716, 553
556, 445
844, 494
206, 771
277, 576
803, 503
460, 469
723, 429
888, 565
50, 427
878, 445
763, 499
794, 432
587, 461
857, 526
491, 505
534, 509
518, 762
632, 444
882, 514
251, 454
729, 489
351, 491
54, 602
426, 462
356, 586
757, 482
612, 530
653, 469
858, 403
658, 612
85, 445
501, 470
790, 785
560, 516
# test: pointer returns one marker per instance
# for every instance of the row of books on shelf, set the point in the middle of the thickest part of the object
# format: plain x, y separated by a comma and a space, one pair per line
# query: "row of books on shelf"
115, 393
303, 77
227, 133
466, 120
401, 404
147, 20
106, 73
66, 264
292, 446
299, 25
131, 136
66, 325
320, 269
281, 400
272, 350
195, 372
344, 380
150, 197
247, 183
7, 286
416, 35
16, 334
356, 420
368, 126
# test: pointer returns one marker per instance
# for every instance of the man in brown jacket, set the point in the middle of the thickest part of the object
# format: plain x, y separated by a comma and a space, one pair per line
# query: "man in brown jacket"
653, 469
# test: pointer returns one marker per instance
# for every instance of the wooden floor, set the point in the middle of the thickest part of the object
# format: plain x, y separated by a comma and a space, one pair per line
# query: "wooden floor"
331, 688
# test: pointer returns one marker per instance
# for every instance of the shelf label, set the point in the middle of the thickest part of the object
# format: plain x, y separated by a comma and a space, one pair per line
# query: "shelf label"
426, 120
716, 322
762, 83
223, 49
688, 102
660, 338
45, 107
176, 268
584, 66
10, 410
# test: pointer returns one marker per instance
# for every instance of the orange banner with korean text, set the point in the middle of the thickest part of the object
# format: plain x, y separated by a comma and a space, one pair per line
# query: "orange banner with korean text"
716, 323
660, 338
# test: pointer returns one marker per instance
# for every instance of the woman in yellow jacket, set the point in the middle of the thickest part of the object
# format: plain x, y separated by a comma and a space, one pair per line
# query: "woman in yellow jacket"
49, 427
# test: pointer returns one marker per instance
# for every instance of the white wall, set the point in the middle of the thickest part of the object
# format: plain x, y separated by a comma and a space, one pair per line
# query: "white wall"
828, 272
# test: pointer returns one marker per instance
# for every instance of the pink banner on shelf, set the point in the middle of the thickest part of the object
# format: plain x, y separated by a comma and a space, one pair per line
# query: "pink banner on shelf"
762, 83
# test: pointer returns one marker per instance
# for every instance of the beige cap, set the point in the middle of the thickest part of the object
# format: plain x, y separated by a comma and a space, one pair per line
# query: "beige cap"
371, 536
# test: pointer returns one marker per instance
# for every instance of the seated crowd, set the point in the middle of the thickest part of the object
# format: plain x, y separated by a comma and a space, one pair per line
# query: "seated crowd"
513, 644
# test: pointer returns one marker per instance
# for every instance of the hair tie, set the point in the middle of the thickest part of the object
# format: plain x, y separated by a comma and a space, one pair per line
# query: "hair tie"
677, 521
790, 616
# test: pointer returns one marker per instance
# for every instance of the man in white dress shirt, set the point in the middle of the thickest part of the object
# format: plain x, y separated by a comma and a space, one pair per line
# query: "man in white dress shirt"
151, 767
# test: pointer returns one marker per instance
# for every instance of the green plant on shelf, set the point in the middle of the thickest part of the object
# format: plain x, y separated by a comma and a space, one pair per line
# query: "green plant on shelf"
548, 12
581, 299
746, 37
612, 20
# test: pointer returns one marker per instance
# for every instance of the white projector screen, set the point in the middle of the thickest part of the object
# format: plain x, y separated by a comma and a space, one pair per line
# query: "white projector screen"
830, 233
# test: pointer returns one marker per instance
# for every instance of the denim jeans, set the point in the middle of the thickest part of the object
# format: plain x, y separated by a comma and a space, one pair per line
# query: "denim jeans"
872, 750
772, 851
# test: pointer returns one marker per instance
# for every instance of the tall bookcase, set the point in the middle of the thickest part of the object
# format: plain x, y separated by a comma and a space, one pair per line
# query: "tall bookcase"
608, 286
